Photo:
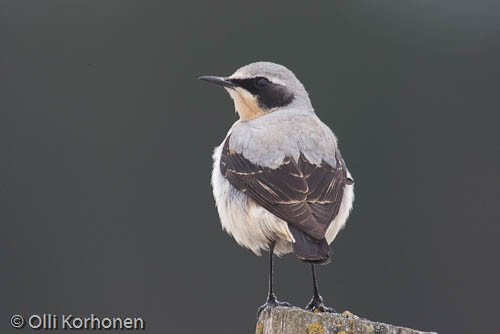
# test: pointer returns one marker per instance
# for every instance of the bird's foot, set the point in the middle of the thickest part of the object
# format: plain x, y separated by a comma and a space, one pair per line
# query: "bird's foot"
271, 303
316, 305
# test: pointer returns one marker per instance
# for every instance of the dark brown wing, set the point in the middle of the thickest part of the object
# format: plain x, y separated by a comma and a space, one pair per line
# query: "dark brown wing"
305, 195
326, 187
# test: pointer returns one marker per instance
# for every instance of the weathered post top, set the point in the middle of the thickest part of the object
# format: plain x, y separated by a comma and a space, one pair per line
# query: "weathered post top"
283, 320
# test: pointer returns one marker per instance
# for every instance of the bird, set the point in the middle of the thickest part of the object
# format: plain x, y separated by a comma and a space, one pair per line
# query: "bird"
279, 181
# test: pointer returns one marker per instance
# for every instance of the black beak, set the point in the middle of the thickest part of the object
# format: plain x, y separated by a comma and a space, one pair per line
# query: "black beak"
224, 82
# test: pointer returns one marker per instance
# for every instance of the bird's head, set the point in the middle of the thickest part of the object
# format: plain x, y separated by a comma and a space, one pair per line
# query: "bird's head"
260, 88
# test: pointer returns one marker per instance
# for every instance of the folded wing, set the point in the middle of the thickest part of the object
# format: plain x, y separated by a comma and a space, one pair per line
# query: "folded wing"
305, 195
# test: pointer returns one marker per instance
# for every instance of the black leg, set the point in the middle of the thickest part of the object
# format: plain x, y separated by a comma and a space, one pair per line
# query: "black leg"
271, 297
316, 303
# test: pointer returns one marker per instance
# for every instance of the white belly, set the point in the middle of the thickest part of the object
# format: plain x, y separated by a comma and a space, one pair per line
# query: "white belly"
254, 227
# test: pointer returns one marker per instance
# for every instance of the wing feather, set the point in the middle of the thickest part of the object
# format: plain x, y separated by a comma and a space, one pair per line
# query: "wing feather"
305, 195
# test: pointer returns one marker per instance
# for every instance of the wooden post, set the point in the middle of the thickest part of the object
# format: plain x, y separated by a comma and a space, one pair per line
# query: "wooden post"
284, 320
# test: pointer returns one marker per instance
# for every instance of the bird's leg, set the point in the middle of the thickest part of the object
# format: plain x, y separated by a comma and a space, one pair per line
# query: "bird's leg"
271, 297
316, 303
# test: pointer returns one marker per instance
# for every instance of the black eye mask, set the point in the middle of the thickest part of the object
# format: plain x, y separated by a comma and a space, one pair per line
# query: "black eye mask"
269, 95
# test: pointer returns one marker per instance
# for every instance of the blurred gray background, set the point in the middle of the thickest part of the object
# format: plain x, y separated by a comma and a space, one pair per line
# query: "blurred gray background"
107, 136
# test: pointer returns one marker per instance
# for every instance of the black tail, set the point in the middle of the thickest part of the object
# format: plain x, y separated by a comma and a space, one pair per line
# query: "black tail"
309, 249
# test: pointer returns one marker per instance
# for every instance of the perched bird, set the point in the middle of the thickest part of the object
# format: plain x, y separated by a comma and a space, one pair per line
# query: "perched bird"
279, 181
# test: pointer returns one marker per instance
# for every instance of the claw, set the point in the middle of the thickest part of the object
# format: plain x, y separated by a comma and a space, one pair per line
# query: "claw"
270, 304
316, 305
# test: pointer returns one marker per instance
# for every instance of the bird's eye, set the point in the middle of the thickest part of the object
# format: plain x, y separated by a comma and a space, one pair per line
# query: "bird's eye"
261, 82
